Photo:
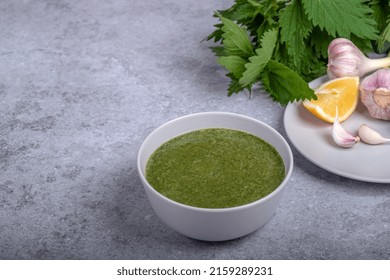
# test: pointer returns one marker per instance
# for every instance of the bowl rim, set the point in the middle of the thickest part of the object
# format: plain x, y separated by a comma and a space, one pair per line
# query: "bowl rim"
216, 210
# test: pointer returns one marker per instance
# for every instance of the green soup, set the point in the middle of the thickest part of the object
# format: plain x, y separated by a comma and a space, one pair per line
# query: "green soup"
215, 168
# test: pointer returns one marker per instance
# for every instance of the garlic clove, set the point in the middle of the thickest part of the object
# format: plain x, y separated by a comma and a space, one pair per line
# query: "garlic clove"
341, 136
375, 94
370, 136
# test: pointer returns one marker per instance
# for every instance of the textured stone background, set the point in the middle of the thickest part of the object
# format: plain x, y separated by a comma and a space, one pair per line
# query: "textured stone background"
82, 83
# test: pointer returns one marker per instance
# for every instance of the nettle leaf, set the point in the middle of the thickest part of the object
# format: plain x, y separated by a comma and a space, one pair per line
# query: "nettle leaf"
234, 85
320, 41
381, 14
381, 9
233, 63
244, 11
235, 39
216, 34
295, 27
385, 37
285, 85
234, 11
259, 61
219, 51
256, 4
365, 45
340, 18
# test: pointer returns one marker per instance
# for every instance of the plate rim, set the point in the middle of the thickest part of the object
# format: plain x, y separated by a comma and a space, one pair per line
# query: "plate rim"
336, 171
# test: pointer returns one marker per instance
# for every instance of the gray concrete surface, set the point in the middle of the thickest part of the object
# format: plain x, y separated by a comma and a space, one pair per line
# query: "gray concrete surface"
82, 83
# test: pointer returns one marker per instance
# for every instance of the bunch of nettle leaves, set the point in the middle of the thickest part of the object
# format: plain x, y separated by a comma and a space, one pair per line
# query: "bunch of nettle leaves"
283, 44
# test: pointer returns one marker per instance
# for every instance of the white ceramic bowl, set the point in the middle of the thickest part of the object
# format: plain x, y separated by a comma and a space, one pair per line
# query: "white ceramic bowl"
214, 224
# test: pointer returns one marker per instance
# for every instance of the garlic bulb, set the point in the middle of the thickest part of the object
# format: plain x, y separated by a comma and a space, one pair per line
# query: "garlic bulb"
370, 136
345, 59
342, 137
375, 94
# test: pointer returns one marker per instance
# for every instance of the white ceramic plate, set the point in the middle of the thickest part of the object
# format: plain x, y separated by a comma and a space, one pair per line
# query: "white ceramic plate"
313, 139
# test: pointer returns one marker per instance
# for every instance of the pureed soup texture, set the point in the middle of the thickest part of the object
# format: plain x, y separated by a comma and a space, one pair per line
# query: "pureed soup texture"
215, 168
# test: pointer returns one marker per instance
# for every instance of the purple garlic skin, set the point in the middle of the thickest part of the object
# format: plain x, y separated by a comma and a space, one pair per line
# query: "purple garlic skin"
344, 59
375, 94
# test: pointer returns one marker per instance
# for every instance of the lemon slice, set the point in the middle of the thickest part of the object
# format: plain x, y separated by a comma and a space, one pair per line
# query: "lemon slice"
341, 93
